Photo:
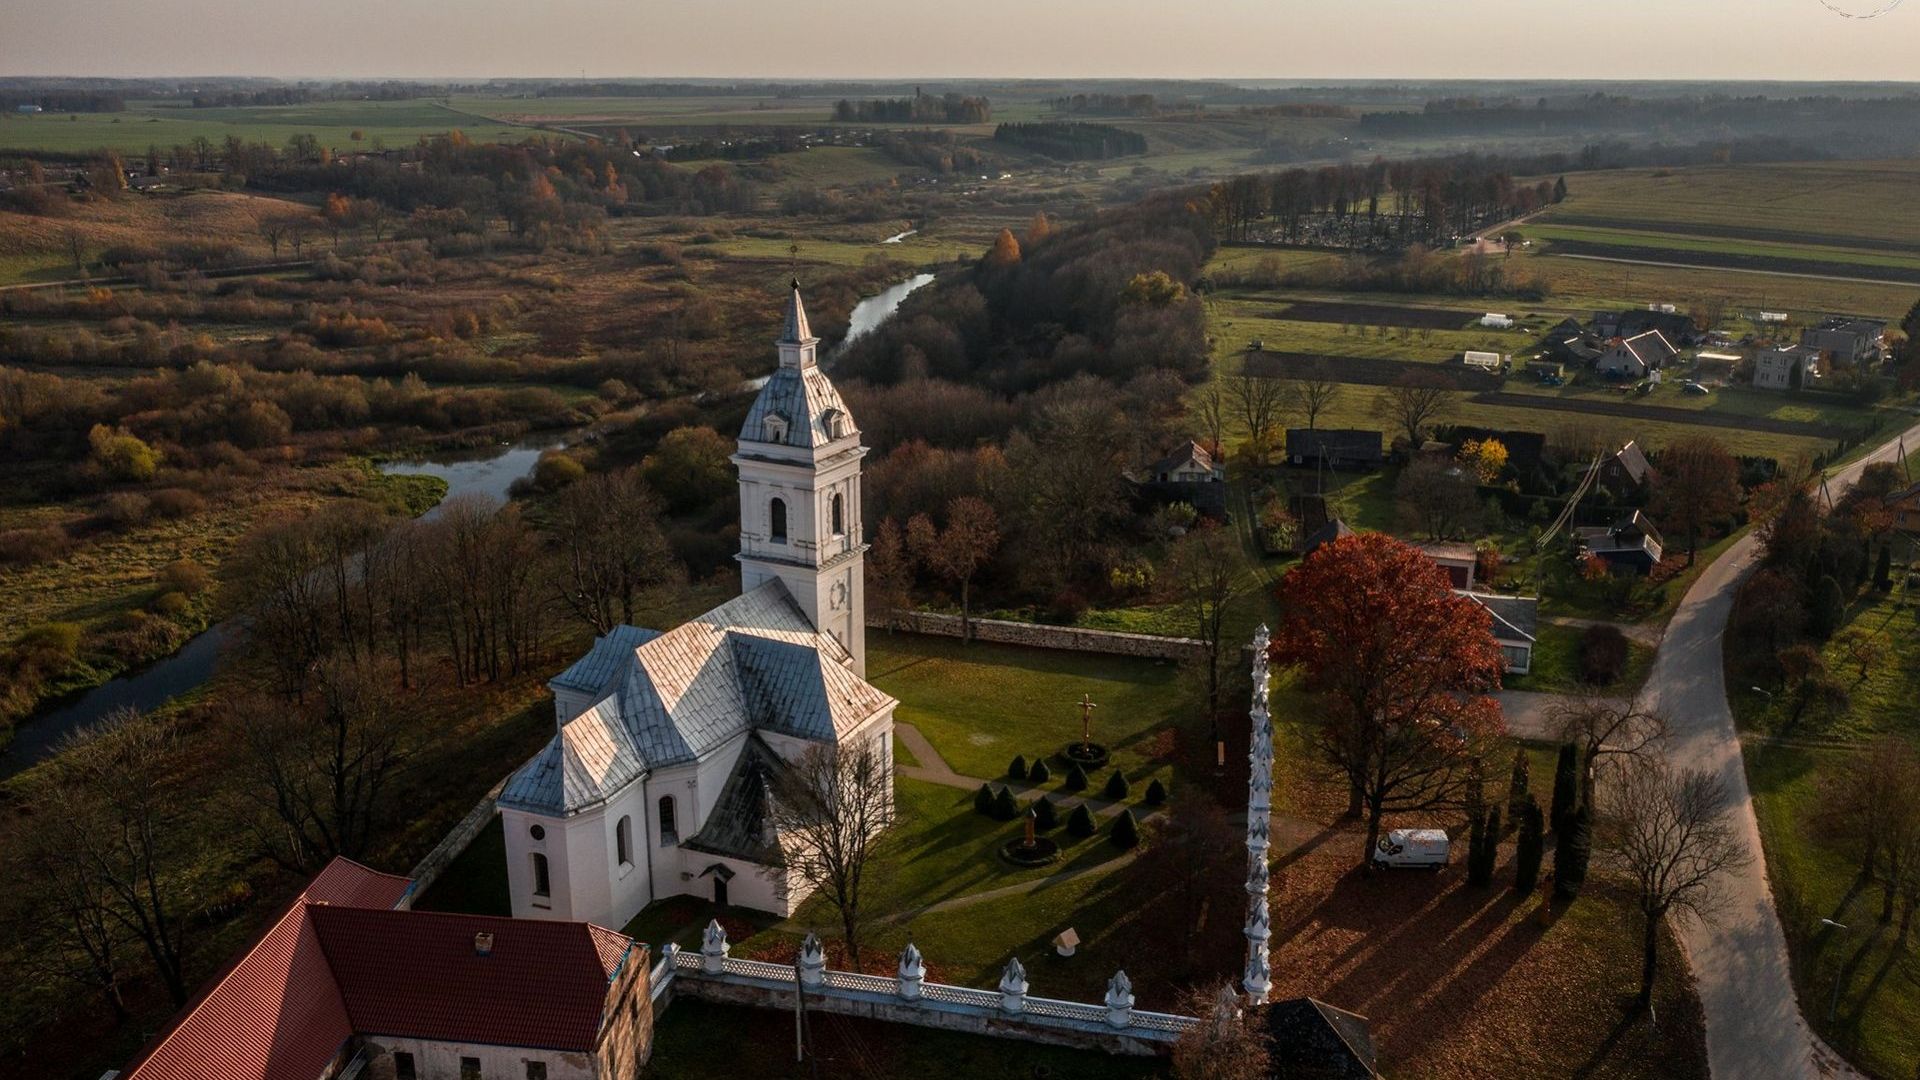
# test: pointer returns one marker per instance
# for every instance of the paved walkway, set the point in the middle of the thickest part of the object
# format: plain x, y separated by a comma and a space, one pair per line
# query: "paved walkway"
934, 770
1754, 1026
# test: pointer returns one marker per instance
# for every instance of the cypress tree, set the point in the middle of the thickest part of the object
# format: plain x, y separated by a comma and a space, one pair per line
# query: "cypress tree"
983, 800
1039, 773
1476, 846
1017, 770
1080, 822
1005, 806
1571, 854
1566, 785
1829, 609
1117, 786
1883, 571
1076, 778
1517, 785
1045, 817
1126, 831
1156, 792
1532, 845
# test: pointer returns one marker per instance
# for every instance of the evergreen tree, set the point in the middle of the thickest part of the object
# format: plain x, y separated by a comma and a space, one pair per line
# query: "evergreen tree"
1117, 786
1560, 190
1045, 817
1076, 778
1156, 792
1517, 785
983, 800
1039, 773
1476, 846
1571, 853
1080, 822
1566, 786
1883, 571
1126, 831
1829, 609
1005, 806
1532, 845
1018, 769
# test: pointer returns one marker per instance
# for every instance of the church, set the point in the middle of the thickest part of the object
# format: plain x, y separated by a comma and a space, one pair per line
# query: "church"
656, 782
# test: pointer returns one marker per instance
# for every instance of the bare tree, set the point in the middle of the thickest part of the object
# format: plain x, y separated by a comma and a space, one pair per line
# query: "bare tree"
71, 909
1436, 498
1260, 399
1414, 401
1312, 396
316, 774
1672, 835
826, 810
889, 574
1227, 1044
1205, 573
1601, 725
1872, 804
106, 813
607, 529
958, 551
1210, 405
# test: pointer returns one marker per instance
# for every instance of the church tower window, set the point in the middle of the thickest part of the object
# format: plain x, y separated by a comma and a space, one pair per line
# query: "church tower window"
777, 521
669, 828
542, 885
839, 515
623, 841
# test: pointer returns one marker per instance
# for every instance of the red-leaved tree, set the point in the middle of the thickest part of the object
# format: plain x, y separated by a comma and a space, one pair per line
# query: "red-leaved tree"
1402, 669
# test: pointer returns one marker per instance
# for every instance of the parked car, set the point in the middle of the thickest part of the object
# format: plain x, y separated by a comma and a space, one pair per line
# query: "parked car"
1413, 848
1693, 388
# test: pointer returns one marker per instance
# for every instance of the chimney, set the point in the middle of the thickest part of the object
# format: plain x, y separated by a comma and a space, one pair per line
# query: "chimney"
483, 944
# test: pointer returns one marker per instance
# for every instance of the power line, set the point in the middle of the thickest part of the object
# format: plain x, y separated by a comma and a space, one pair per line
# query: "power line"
1874, 14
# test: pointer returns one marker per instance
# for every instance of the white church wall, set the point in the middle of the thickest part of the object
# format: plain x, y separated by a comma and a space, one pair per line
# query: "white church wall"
589, 853
441, 1060
628, 886
517, 826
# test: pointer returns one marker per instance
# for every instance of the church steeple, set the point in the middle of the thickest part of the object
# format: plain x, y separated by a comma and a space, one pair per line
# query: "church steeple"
797, 343
799, 460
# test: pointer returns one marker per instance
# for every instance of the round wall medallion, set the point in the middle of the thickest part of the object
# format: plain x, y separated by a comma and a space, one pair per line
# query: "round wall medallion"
539, 832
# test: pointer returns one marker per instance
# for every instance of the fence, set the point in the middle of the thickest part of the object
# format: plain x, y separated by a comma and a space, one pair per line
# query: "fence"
1010, 1013
1040, 636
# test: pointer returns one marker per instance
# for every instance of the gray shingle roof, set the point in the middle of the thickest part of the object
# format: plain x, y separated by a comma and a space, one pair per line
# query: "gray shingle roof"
804, 398
592, 672
753, 662
1515, 618
737, 825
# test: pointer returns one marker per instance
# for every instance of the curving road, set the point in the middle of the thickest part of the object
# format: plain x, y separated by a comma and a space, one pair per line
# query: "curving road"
1754, 1026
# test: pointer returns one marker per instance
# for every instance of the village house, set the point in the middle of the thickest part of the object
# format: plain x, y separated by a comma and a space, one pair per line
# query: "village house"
1635, 357
657, 780
1674, 326
349, 982
1789, 367
1460, 561
1626, 472
1335, 447
1850, 340
1188, 475
1629, 545
1189, 464
1515, 621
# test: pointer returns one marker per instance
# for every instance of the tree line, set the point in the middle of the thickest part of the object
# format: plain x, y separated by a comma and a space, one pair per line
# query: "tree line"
1071, 140
918, 109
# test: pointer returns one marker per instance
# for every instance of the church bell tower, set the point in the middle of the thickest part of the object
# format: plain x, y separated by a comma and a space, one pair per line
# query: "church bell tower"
798, 458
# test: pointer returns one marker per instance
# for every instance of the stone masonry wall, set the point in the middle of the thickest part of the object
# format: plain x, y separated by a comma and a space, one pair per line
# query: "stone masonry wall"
1035, 635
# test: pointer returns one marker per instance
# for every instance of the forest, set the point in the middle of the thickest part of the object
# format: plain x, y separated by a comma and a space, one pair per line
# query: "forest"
1072, 140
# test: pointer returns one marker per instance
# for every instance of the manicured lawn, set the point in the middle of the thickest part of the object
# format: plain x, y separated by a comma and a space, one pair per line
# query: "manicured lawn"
980, 704
1882, 700
1556, 664
759, 1043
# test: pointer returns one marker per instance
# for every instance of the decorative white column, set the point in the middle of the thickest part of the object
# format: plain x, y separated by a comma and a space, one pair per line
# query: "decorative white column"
1013, 987
912, 972
813, 961
1259, 976
713, 948
1119, 1000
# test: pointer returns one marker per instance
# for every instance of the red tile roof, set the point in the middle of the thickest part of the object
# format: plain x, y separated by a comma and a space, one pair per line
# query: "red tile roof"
276, 1012
417, 974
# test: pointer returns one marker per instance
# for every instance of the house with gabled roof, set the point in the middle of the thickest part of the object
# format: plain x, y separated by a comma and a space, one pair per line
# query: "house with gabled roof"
1515, 621
1629, 545
349, 981
1626, 471
666, 747
1635, 357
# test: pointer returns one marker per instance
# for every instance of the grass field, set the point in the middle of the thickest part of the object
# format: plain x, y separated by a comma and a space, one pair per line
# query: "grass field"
37, 248
1820, 202
144, 124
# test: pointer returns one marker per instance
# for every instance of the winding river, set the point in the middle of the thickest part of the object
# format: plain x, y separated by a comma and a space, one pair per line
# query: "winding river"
488, 471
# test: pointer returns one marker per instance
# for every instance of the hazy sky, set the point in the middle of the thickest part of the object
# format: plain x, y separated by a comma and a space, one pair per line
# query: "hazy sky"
1770, 39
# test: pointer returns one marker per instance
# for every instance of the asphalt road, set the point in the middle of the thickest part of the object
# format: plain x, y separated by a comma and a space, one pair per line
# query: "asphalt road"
1754, 1026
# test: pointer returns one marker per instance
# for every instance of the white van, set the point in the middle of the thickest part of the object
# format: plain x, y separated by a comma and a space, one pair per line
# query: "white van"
1424, 848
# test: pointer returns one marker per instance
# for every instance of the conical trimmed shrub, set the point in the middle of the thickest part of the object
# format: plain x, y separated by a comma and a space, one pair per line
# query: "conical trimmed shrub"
1156, 793
983, 800
1080, 823
1076, 778
1039, 773
1005, 806
1045, 815
1571, 854
1117, 786
1530, 849
1018, 769
1126, 831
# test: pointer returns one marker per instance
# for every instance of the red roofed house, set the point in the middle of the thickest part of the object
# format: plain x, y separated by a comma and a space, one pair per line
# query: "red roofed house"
349, 981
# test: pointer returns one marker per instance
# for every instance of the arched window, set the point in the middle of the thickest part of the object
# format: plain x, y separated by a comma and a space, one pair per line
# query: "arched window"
542, 886
623, 841
777, 521
776, 428
669, 828
839, 515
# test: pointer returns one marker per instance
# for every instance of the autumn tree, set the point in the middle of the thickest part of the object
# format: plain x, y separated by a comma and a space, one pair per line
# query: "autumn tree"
1671, 833
826, 811
1484, 459
1260, 399
1414, 401
1403, 669
1005, 251
691, 468
1037, 230
1696, 487
607, 530
889, 568
1205, 573
957, 552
